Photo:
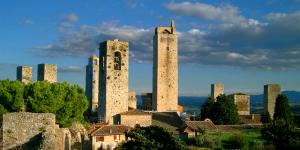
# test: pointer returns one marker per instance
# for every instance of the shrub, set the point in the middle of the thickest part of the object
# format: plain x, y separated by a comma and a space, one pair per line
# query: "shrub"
237, 141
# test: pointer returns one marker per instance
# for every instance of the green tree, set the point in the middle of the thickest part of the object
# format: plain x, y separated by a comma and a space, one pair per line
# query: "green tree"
283, 109
152, 137
207, 108
11, 95
223, 111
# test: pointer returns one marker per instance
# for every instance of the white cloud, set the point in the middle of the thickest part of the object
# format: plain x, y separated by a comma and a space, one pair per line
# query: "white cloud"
26, 22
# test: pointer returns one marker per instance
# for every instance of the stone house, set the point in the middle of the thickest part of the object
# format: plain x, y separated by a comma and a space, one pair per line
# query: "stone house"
193, 128
108, 136
136, 117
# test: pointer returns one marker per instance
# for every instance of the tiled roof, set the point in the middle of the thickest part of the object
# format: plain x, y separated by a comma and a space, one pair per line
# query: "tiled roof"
111, 130
135, 112
195, 125
239, 127
169, 120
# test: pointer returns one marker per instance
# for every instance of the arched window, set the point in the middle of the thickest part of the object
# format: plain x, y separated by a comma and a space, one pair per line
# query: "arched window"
117, 61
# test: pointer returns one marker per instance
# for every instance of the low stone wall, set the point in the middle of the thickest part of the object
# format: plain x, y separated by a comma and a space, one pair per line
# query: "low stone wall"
132, 120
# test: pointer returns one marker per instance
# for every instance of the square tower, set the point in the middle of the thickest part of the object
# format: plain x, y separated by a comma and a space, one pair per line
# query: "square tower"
113, 80
242, 102
24, 74
165, 69
92, 83
47, 72
217, 89
271, 92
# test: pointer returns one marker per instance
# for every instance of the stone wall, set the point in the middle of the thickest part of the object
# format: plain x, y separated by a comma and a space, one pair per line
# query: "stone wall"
24, 74
217, 89
33, 131
271, 91
113, 80
47, 72
165, 69
141, 119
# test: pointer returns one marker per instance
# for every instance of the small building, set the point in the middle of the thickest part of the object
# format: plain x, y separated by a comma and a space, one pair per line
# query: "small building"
132, 100
136, 117
242, 102
108, 137
147, 101
193, 128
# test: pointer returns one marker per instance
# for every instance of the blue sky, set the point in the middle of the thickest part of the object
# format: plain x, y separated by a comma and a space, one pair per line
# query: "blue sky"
243, 44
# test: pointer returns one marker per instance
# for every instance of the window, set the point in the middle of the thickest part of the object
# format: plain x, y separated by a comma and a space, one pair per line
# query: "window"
115, 137
117, 61
99, 138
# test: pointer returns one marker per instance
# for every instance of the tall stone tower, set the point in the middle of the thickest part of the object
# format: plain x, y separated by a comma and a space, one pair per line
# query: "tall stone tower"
92, 83
165, 69
271, 91
113, 80
217, 89
47, 72
24, 74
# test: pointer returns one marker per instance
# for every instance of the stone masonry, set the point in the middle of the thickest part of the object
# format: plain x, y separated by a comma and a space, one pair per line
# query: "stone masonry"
132, 99
216, 90
47, 72
113, 80
33, 131
92, 83
271, 91
165, 69
242, 102
24, 74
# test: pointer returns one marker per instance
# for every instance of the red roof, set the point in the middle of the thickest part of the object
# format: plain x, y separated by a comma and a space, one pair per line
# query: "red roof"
111, 130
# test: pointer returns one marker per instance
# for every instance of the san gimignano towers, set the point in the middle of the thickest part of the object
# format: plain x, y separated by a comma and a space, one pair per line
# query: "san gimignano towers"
113, 80
165, 69
92, 83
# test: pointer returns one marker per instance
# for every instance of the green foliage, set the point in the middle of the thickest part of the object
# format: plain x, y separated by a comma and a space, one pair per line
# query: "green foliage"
265, 117
11, 95
223, 111
2, 110
202, 141
152, 137
67, 102
283, 109
236, 141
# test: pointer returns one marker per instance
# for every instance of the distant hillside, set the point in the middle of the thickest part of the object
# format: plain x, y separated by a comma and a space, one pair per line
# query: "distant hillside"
193, 104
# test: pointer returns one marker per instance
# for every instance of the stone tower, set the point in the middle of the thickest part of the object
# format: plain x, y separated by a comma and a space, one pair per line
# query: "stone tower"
217, 89
113, 80
92, 83
271, 91
165, 69
47, 72
242, 102
24, 74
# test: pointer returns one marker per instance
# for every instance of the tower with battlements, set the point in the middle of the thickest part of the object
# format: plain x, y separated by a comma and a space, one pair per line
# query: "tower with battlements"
92, 83
113, 80
24, 74
165, 69
47, 72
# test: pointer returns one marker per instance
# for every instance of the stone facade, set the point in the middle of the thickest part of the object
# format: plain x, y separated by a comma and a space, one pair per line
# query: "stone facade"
134, 117
216, 90
92, 83
132, 100
47, 72
33, 131
271, 91
165, 69
24, 74
113, 80
147, 101
242, 102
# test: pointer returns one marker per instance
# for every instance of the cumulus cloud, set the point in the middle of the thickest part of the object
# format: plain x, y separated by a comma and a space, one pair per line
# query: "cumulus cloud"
272, 45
